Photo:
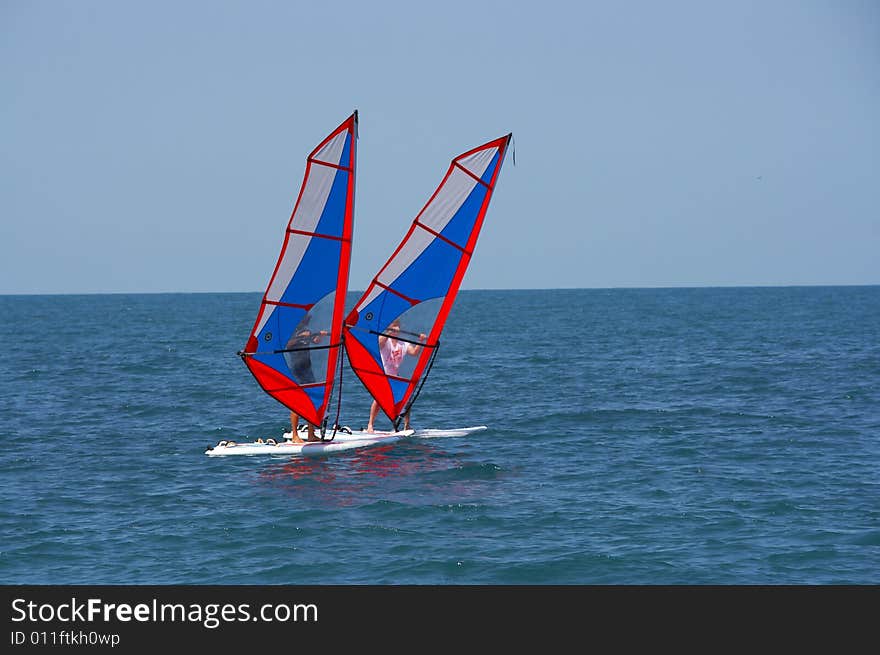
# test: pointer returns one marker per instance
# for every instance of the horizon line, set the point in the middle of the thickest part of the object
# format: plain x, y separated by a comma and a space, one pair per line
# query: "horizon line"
609, 288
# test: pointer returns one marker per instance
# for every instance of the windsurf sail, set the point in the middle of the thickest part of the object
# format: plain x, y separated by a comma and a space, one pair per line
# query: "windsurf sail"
393, 332
296, 341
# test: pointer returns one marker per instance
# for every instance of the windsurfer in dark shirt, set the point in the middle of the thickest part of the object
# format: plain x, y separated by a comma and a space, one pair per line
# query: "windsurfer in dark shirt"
299, 359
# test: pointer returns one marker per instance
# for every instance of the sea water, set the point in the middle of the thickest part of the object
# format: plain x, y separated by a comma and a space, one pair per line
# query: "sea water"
635, 436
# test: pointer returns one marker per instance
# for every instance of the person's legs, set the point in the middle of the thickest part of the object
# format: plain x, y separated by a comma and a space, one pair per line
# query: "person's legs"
311, 430
374, 409
294, 424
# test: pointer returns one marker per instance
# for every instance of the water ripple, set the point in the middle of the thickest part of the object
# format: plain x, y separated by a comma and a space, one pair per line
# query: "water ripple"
659, 436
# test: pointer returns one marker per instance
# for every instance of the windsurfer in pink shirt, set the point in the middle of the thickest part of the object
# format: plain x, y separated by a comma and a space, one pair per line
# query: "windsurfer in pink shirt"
392, 352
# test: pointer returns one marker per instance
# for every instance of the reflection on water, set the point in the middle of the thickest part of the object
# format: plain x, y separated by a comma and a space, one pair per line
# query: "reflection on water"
412, 473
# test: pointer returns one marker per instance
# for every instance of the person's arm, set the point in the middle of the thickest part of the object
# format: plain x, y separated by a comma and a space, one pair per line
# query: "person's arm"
296, 338
414, 348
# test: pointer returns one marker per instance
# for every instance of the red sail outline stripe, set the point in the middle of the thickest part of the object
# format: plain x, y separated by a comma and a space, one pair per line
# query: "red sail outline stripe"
288, 396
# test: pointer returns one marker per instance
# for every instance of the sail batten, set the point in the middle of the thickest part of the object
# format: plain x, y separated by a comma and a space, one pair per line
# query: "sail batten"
296, 341
330, 165
416, 287
441, 237
318, 235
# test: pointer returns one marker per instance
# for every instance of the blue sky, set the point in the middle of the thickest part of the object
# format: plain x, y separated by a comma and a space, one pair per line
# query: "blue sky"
159, 146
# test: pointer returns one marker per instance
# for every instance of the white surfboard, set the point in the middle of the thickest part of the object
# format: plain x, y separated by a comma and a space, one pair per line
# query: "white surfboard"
431, 433
341, 441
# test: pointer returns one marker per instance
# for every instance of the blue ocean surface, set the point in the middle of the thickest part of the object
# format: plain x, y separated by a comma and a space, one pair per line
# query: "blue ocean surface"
635, 436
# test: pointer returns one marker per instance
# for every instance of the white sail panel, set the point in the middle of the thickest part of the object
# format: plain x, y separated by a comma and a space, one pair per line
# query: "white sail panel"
478, 162
305, 218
